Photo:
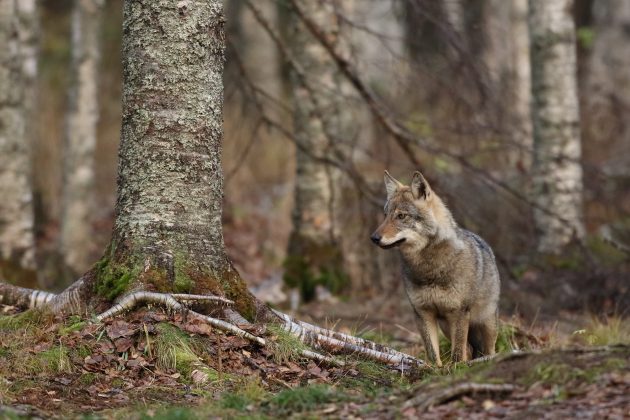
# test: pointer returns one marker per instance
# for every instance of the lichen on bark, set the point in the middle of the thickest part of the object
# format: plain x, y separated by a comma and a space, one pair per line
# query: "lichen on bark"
557, 179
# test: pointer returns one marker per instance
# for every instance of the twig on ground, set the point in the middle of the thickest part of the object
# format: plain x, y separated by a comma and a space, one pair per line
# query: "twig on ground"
425, 402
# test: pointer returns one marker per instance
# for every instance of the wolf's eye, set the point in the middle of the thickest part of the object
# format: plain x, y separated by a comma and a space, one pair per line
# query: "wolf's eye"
401, 216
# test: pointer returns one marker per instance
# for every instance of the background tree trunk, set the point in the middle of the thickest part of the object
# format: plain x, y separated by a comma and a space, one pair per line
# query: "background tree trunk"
76, 242
520, 86
608, 101
557, 149
320, 124
17, 244
168, 235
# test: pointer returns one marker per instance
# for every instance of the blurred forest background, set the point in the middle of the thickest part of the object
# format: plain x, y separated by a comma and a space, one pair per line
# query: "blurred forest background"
313, 115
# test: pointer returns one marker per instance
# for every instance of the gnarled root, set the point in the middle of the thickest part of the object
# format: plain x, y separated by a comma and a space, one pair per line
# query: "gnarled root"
309, 334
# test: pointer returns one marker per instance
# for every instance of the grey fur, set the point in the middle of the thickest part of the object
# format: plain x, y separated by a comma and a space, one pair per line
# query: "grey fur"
450, 274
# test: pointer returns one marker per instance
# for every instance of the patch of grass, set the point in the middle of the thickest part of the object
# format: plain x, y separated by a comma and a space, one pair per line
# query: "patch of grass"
21, 321
81, 351
305, 398
287, 347
171, 413
556, 373
88, 378
54, 360
373, 377
506, 339
603, 332
174, 352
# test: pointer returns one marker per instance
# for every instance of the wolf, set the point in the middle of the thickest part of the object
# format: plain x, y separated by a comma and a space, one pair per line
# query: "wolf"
450, 274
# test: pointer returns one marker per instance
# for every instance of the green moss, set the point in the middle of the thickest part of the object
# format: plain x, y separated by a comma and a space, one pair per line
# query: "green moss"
183, 282
585, 36
21, 321
113, 279
88, 378
54, 360
305, 398
72, 328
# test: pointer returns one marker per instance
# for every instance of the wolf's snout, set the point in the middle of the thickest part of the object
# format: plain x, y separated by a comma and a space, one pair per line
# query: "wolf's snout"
376, 238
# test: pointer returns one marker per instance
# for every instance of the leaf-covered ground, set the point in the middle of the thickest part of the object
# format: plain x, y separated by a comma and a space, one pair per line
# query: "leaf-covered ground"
149, 364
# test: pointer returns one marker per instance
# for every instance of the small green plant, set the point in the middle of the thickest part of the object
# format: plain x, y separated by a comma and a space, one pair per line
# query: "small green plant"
21, 321
607, 331
287, 347
174, 352
305, 398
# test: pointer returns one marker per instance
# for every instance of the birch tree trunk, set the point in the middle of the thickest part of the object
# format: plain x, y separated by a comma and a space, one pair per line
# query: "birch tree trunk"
78, 167
167, 235
557, 150
608, 101
521, 86
319, 123
17, 244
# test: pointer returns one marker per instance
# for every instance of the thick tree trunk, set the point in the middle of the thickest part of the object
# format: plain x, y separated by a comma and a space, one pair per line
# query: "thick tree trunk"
320, 121
557, 149
76, 242
17, 244
608, 100
167, 235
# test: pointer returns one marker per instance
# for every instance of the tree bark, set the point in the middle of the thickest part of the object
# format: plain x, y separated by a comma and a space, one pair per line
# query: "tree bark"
608, 100
521, 86
76, 242
557, 151
319, 124
17, 244
167, 235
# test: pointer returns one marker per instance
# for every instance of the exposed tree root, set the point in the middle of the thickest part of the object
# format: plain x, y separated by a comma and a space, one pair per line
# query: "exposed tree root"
22, 297
309, 334
426, 401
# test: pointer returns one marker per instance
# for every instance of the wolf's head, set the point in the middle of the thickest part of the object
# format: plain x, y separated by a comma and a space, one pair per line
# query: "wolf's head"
414, 215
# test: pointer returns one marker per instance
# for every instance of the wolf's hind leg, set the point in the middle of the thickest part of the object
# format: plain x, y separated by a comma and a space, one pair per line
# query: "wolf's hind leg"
483, 337
475, 338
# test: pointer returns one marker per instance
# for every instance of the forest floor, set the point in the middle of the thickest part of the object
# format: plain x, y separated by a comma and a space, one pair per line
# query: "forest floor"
150, 364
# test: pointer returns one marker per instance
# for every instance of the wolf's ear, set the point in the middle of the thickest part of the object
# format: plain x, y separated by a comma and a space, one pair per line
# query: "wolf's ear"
391, 184
420, 187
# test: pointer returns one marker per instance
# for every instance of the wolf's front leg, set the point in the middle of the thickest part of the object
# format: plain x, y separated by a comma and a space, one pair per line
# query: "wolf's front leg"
427, 322
459, 322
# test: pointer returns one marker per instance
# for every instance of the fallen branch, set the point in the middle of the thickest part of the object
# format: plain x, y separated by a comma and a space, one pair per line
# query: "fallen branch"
425, 402
357, 341
397, 359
